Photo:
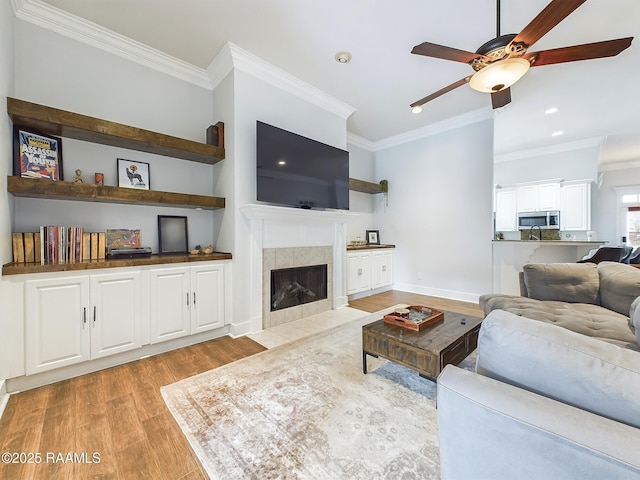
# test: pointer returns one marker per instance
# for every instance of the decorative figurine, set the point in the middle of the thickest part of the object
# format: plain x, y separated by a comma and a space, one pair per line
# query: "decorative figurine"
78, 177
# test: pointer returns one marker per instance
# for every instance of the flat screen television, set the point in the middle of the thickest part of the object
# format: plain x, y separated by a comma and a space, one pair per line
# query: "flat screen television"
297, 171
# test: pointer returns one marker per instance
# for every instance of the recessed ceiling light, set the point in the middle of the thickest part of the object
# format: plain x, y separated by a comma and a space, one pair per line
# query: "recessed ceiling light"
551, 110
557, 133
343, 57
282, 162
416, 109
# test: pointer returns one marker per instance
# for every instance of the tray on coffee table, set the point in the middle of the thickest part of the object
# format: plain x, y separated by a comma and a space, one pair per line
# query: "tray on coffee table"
414, 317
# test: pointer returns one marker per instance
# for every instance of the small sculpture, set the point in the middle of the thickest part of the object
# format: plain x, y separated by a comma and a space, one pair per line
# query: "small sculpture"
78, 177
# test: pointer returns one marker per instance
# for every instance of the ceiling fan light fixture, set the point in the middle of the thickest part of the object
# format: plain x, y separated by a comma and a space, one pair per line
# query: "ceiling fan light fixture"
416, 109
499, 75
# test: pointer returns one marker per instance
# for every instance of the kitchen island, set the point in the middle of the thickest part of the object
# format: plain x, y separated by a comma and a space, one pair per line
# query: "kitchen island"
510, 255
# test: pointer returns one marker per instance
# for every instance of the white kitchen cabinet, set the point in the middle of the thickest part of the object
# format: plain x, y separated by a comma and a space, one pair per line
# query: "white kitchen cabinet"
358, 272
575, 208
186, 300
538, 197
506, 210
368, 269
381, 268
72, 319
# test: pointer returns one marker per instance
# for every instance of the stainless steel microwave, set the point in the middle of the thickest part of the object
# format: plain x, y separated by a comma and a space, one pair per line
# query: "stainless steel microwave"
549, 220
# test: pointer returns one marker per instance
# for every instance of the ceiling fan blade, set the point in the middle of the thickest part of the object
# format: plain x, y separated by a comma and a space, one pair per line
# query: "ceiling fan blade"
548, 18
442, 91
501, 98
608, 48
447, 53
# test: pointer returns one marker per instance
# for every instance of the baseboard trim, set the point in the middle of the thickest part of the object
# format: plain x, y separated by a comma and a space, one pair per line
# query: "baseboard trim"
438, 292
4, 396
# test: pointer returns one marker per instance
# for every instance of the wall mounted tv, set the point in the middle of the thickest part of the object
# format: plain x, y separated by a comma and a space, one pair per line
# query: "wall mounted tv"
297, 171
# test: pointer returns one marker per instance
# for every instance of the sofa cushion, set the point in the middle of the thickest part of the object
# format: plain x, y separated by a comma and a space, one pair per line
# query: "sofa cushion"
563, 282
591, 320
619, 286
560, 364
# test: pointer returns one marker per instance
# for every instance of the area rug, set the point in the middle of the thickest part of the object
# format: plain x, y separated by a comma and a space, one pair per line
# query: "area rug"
305, 410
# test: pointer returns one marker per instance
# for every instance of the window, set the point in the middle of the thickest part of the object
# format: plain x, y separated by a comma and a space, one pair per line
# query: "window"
633, 226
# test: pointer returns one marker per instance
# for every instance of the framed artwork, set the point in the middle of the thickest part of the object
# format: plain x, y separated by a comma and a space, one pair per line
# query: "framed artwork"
373, 237
133, 174
172, 234
36, 155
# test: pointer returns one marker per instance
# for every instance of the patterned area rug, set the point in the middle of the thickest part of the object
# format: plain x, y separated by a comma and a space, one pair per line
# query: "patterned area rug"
305, 410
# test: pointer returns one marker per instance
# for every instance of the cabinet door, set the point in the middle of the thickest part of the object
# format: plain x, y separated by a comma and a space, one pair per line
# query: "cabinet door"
528, 198
549, 196
57, 323
506, 212
116, 313
575, 211
170, 303
358, 272
207, 297
381, 269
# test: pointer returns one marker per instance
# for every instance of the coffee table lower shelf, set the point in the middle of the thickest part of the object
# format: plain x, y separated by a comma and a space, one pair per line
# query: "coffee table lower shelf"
427, 352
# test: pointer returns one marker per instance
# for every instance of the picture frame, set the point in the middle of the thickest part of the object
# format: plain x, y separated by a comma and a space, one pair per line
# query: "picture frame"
373, 237
36, 154
173, 235
133, 174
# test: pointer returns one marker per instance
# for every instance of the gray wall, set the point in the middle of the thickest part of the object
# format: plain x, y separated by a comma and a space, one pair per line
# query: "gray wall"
440, 211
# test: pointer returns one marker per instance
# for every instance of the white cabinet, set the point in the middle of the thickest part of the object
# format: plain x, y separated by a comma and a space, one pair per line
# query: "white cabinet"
381, 268
575, 209
506, 210
358, 272
72, 319
186, 300
539, 197
369, 269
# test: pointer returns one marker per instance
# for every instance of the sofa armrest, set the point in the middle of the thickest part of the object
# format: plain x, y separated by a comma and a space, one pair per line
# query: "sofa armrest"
634, 318
492, 430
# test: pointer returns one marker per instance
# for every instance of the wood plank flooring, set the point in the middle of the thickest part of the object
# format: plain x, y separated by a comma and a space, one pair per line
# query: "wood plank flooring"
119, 413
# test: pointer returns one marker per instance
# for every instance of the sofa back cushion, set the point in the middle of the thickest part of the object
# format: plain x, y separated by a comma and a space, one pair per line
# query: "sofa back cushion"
560, 364
619, 286
563, 282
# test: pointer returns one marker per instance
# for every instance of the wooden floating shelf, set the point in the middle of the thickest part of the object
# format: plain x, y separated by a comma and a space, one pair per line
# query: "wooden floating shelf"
81, 127
29, 268
40, 188
364, 187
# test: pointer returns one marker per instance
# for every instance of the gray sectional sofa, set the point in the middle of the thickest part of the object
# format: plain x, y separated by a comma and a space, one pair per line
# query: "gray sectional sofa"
545, 401
597, 300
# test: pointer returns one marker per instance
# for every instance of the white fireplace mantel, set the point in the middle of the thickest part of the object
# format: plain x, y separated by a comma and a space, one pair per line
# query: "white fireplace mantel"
282, 227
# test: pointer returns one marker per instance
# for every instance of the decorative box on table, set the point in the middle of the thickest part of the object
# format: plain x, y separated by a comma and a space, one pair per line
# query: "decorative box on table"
414, 317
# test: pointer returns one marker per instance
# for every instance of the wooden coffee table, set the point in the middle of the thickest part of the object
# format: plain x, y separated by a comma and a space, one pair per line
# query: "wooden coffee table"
426, 352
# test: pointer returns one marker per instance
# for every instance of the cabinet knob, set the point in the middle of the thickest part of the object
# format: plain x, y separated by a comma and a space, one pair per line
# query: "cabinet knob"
359, 271
194, 299
384, 268
84, 317
94, 315
187, 299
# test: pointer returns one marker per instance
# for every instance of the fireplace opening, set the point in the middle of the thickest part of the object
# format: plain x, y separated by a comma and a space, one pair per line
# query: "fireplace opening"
296, 286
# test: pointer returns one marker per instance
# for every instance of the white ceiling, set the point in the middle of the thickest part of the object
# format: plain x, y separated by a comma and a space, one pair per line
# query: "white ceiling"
598, 99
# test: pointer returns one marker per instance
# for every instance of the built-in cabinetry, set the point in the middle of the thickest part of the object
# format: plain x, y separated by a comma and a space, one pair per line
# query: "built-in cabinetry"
186, 300
575, 214
506, 210
73, 319
369, 269
538, 197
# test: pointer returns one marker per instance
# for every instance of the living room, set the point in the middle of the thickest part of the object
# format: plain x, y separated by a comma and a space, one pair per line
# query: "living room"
439, 210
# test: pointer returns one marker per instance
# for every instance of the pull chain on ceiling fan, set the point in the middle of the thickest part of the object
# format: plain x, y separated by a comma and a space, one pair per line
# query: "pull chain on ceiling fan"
502, 61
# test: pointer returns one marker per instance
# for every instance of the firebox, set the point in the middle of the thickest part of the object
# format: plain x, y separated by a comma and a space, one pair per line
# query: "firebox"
296, 286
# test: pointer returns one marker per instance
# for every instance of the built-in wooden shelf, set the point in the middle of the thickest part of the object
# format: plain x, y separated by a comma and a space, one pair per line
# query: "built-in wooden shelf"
87, 192
364, 187
351, 248
30, 268
81, 127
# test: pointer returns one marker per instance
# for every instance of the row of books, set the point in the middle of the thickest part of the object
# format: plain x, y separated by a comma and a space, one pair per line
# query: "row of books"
58, 244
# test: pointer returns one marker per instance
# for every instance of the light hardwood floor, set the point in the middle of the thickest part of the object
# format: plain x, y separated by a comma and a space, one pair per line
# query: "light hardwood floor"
119, 413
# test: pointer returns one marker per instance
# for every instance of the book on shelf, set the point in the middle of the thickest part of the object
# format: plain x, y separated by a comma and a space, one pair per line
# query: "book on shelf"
55, 244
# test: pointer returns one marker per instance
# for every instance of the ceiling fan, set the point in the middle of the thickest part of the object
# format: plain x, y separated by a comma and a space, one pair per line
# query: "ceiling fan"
502, 61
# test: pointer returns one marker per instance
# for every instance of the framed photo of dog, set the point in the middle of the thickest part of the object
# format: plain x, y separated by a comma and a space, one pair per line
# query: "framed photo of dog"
133, 174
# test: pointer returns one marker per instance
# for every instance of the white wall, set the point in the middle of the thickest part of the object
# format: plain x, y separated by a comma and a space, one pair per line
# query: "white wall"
6, 89
92, 82
440, 211
606, 217
361, 167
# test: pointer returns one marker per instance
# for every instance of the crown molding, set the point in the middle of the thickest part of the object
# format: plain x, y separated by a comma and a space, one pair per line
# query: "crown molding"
621, 165
51, 18
232, 56
595, 142
435, 128
360, 142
